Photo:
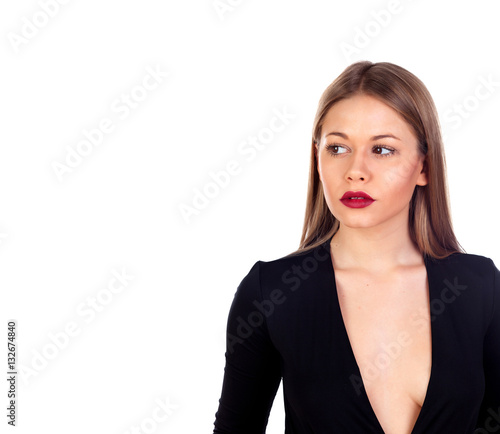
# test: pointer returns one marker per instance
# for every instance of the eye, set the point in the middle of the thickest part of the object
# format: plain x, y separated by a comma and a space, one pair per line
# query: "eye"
335, 149
380, 151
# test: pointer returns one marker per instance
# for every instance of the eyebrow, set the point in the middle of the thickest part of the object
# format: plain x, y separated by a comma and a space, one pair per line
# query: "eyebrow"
380, 136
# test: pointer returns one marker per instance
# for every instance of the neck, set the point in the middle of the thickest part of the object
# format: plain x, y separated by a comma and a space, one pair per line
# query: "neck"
377, 250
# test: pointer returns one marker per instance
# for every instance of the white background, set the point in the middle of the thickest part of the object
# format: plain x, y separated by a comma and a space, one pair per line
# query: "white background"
163, 336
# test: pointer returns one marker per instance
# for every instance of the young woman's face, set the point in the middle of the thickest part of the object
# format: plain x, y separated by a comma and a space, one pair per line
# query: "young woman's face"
366, 146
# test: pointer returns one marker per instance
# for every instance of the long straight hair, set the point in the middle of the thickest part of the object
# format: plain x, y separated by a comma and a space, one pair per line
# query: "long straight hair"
429, 212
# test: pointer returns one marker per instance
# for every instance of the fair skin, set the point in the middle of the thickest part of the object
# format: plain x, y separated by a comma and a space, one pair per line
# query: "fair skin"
390, 180
380, 274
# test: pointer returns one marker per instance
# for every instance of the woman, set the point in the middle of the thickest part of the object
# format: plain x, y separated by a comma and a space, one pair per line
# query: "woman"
379, 322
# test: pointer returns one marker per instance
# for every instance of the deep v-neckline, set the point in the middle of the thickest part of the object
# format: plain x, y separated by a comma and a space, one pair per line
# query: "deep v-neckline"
351, 352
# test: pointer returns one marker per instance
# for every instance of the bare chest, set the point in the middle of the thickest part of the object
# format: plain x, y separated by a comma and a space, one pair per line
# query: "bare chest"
388, 324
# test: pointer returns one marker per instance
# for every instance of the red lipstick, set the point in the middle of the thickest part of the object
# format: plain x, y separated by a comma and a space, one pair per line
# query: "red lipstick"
356, 199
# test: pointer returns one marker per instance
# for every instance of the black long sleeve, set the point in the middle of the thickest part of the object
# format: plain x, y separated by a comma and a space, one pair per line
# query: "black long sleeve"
301, 340
489, 414
252, 372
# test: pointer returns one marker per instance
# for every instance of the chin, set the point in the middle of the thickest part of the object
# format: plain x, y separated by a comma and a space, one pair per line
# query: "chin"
358, 225
357, 222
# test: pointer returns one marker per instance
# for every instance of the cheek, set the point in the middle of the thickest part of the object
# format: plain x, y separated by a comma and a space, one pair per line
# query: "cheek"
330, 186
401, 174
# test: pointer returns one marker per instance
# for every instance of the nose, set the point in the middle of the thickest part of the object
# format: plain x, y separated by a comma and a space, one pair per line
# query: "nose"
357, 169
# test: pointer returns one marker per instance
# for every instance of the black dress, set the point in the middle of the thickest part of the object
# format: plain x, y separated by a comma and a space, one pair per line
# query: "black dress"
285, 323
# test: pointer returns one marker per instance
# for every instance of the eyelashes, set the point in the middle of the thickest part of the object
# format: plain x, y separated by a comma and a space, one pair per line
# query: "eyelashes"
333, 149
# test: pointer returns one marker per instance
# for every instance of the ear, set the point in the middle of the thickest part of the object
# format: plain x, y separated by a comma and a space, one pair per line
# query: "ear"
423, 178
316, 146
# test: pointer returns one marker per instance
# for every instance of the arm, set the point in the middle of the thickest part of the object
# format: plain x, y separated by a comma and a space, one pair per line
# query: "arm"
489, 413
252, 373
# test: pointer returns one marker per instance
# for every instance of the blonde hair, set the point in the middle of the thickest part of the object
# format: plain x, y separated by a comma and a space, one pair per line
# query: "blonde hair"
429, 214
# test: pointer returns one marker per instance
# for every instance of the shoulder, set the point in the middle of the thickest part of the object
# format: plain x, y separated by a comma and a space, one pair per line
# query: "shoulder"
476, 273
476, 266
290, 271
474, 270
305, 268
318, 253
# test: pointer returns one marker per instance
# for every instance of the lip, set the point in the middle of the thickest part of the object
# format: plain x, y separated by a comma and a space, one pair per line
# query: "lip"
365, 200
349, 194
